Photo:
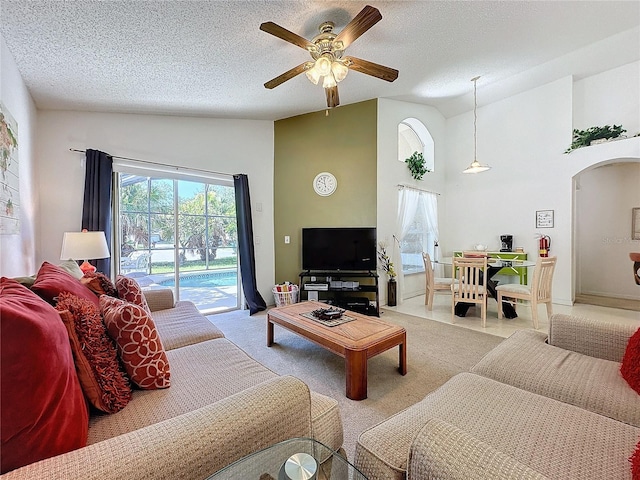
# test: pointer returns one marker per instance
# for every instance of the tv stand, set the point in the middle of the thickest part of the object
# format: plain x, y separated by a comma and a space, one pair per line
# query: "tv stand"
338, 287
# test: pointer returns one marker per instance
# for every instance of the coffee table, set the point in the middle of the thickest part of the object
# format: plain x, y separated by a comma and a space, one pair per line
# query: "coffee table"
267, 464
356, 341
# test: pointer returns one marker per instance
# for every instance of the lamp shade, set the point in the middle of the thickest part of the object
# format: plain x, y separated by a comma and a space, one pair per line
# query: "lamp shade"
476, 167
84, 246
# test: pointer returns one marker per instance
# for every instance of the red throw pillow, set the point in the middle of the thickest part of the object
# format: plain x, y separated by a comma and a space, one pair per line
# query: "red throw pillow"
52, 280
138, 343
43, 412
129, 290
101, 377
99, 284
630, 368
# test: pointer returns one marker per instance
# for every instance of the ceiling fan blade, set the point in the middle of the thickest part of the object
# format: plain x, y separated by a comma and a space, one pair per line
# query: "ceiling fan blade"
362, 22
288, 75
286, 35
332, 97
370, 68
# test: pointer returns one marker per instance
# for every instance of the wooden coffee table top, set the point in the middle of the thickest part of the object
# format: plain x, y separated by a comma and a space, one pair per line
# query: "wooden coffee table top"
359, 334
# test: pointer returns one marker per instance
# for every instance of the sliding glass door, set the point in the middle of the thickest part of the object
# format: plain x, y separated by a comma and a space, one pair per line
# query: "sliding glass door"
180, 234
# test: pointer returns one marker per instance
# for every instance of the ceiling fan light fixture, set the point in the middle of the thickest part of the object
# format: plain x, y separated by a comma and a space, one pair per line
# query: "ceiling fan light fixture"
329, 81
339, 71
323, 65
476, 166
313, 75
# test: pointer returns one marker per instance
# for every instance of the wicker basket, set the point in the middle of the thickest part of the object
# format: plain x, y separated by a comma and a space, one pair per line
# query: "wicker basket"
285, 298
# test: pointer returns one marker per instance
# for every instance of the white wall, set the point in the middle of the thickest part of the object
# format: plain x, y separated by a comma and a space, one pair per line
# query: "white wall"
17, 252
224, 146
522, 138
609, 98
603, 230
392, 172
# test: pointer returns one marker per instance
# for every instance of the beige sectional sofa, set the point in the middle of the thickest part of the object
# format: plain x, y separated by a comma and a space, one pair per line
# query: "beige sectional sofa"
534, 407
221, 406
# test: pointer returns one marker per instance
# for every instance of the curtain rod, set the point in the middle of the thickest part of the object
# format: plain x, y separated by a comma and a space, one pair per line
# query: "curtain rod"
402, 185
158, 164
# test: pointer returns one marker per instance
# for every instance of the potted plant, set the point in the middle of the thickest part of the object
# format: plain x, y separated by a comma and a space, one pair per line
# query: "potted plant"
387, 266
416, 165
584, 138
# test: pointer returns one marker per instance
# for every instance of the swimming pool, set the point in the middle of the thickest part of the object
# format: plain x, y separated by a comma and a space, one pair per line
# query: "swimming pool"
205, 279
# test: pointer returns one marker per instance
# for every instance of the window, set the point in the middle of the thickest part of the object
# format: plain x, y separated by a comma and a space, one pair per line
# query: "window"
413, 136
418, 217
180, 233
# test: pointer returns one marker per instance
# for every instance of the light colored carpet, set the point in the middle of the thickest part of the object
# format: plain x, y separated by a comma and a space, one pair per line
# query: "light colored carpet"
435, 352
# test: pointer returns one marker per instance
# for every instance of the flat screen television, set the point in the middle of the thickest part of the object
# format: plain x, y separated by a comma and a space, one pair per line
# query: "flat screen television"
339, 248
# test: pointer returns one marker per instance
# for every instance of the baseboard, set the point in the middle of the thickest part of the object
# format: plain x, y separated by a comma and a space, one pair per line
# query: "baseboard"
610, 302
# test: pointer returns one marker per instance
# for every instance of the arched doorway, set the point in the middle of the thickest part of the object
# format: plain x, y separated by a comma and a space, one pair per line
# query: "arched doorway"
605, 194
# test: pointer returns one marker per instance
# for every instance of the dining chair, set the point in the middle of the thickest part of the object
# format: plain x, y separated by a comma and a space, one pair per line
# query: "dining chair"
432, 282
470, 284
538, 292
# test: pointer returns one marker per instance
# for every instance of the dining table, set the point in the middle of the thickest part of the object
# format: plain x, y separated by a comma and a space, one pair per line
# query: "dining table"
494, 265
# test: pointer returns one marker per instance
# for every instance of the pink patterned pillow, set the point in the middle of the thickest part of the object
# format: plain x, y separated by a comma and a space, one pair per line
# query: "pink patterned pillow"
129, 290
138, 343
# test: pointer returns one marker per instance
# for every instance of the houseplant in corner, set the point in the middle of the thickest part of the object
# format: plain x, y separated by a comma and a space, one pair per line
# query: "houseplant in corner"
584, 138
387, 266
416, 165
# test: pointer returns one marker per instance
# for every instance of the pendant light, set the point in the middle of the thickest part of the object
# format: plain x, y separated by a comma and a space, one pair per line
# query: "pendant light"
476, 166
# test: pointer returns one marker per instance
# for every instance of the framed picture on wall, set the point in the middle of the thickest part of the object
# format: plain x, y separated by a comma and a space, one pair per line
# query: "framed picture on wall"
635, 223
544, 218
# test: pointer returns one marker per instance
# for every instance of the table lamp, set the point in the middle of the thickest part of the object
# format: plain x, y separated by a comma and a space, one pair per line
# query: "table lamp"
84, 246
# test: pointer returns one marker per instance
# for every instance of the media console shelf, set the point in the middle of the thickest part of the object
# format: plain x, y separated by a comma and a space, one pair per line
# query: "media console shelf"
336, 287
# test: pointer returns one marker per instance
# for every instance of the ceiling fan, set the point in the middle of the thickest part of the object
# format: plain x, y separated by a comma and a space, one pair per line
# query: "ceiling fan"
327, 50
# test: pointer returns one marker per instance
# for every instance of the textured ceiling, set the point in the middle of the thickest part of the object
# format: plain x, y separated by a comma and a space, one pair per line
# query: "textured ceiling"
209, 58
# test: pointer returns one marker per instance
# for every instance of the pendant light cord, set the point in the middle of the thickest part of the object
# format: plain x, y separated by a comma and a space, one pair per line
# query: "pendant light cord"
475, 118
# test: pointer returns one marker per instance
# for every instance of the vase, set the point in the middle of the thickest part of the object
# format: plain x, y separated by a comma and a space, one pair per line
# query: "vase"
391, 293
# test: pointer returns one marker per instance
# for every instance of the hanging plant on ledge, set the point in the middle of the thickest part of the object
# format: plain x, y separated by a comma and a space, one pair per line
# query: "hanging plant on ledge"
584, 138
416, 165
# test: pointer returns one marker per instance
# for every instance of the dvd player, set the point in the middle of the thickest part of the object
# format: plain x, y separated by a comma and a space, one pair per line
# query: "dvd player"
316, 286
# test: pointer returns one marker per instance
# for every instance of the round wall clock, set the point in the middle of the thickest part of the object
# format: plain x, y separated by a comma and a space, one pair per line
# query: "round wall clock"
325, 184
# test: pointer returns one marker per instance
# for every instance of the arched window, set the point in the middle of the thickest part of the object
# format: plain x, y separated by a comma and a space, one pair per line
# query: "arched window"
413, 136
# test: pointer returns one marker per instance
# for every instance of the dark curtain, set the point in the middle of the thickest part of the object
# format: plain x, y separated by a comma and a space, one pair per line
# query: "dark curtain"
245, 245
96, 211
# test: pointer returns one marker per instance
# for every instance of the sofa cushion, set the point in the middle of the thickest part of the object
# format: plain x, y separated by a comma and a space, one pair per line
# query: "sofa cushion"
43, 409
101, 376
202, 374
536, 431
52, 280
630, 367
525, 361
129, 290
139, 346
184, 325
635, 462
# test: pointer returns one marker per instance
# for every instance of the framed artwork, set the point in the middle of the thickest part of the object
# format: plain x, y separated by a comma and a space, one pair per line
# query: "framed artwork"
635, 223
544, 218
9, 178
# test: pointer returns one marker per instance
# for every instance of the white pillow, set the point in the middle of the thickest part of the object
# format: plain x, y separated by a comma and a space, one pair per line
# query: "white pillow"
71, 266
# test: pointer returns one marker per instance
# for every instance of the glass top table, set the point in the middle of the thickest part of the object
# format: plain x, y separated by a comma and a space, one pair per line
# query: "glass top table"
294, 459
492, 262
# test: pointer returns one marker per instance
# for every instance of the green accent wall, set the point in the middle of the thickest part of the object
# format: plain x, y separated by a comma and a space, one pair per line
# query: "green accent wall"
343, 143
